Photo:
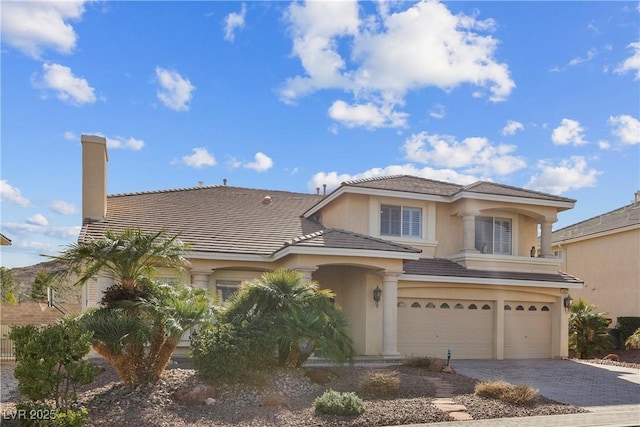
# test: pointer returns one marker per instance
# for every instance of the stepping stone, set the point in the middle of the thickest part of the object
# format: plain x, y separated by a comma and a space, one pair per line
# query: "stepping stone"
452, 408
460, 416
443, 401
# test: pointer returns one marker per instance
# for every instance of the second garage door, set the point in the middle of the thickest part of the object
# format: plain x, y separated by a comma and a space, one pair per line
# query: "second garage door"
430, 327
527, 330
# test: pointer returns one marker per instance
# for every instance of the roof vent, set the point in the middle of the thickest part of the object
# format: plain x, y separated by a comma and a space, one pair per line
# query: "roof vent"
266, 200
224, 182
200, 184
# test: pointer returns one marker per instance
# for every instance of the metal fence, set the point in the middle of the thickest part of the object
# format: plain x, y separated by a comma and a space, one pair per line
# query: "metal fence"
7, 351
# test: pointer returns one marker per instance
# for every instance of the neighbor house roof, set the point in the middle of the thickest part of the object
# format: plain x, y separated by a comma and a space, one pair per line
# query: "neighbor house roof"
4, 240
225, 219
448, 268
625, 216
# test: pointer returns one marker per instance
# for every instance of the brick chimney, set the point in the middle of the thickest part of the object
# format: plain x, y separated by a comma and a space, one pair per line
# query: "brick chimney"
94, 178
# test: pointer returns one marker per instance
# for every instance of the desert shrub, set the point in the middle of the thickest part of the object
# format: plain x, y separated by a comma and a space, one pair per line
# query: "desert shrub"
588, 332
520, 394
634, 340
336, 403
418, 362
43, 415
628, 325
380, 384
225, 352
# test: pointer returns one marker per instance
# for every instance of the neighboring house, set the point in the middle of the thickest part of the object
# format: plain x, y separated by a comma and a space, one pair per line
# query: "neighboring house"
452, 262
4, 240
604, 251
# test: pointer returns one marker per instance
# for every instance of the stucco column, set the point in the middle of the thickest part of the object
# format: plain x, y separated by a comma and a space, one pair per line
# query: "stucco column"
200, 280
390, 314
560, 329
499, 330
469, 231
545, 238
306, 272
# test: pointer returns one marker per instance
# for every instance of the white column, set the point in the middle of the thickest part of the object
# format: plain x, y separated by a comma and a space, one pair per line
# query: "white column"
306, 272
390, 314
468, 231
200, 280
545, 238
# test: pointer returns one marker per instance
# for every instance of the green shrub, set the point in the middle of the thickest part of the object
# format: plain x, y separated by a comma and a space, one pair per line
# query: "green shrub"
634, 340
380, 384
627, 325
43, 415
336, 403
225, 352
520, 394
588, 332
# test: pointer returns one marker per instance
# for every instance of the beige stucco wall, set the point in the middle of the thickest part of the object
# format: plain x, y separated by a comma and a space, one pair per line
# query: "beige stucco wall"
609, 264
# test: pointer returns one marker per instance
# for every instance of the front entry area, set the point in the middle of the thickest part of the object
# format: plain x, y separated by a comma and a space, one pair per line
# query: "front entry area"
431, 327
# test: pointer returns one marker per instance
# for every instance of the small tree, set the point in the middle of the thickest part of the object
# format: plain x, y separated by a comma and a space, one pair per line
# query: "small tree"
587, 330
8, 289
42, 281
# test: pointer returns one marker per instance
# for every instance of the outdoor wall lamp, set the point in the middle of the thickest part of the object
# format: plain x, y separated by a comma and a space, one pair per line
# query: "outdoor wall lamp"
567, 302
377, 293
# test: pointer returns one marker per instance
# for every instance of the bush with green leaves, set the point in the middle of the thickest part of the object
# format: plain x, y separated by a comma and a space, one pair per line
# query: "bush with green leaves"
8, 287
225, 352
633, 341
336, 403
588, 332
50, 366
627, 325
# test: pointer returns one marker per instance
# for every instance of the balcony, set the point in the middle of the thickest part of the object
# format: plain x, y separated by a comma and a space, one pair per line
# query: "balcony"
479, 261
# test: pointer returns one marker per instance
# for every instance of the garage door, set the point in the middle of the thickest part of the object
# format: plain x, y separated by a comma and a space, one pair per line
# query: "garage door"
430, 327
527, 330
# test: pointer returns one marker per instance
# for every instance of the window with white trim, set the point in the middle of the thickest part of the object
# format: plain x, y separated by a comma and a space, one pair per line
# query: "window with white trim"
400, 221
494, 235
226, 288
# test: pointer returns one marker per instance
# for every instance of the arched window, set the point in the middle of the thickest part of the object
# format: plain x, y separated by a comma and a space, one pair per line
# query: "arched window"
507, 307
430, 305
458, 306
486, 307
415, 304
473, 307
532, 308
401, 304
519, 308
544, 308
444, 305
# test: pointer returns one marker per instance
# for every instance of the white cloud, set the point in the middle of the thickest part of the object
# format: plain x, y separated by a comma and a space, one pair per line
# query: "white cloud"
261, 163
34, 26
334, 179
438, 112
632, 63
569, 132
200, 157
60, 232
626, 128
366, 115
234, 21
38, 219
175, 91
11, 194
512, 127
591, 53
388, 55
69, 88
604, 145
474, 155
125, 143
70, 136
569, 174
62, 207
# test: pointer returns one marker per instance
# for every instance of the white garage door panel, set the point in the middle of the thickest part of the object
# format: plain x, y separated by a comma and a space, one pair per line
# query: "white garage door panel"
527, 332
426, 331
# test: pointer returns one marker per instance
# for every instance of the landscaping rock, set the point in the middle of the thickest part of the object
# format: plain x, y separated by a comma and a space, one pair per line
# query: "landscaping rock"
196, 395
613, 357
448, 370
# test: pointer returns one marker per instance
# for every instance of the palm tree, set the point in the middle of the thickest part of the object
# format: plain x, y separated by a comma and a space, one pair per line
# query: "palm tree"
303, 318
141, 322
587, 329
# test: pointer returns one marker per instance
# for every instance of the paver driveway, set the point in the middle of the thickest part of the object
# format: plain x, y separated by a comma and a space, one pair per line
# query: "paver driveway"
566, 381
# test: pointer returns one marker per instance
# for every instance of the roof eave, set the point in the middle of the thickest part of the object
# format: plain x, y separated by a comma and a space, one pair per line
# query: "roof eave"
489, 281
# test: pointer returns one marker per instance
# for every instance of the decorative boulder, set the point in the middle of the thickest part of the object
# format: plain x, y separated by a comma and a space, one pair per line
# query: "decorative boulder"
196, 395
448, 370
613, 357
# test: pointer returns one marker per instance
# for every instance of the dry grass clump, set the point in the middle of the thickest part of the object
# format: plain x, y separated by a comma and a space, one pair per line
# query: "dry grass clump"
432, 364
380, 384
520, 394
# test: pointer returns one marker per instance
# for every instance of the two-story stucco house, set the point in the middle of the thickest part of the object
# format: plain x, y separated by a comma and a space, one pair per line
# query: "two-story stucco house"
604, 251
453, 263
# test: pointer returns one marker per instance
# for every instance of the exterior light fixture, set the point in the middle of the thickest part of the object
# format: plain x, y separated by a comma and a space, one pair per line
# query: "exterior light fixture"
567, 302
377, 293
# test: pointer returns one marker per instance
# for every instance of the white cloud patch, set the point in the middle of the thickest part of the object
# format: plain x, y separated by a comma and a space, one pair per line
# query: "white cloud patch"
626, 128
632, 63
604, 145
568, 174
63, 208
381, 57
60, 232
569, 132
474, 155
70, 136
125, 144
438, 111
261, 163
512, 127
334, 179
200, 158
175, 91
11, 194
31, 26
68, 88
38, 219
591, 53
233, 21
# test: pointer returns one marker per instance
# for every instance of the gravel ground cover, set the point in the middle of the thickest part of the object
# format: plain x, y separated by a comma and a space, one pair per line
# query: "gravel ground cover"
111, 403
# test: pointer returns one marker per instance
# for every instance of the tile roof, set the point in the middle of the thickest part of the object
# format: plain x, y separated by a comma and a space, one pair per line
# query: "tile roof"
448, 268
622, 217
343, 239
414, 184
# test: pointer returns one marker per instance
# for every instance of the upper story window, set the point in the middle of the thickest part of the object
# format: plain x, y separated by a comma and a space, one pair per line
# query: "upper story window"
400, 221
493, 235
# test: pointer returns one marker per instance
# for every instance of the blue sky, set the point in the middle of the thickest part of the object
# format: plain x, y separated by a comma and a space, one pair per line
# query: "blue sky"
290, 96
